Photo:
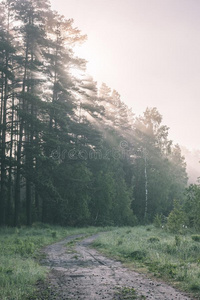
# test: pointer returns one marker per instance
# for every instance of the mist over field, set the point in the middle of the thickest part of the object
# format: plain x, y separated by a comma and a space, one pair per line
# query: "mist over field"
192, 158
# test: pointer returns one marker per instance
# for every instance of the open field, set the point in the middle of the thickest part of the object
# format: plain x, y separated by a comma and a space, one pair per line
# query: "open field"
173, 258
19, 257
146, 249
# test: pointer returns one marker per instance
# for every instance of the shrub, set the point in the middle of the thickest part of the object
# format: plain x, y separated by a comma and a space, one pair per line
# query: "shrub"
177, 240
120, 242
192, 205
196, 237
170, 249
153, 239
157, 221
54, 234
169, 269
195, 287
24, 248
177, 218
138, 254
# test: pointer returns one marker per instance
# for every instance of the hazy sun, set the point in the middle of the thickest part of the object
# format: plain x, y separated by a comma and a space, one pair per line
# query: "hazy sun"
84, 51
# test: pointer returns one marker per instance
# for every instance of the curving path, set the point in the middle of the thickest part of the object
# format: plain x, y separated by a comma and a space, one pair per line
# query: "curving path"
79, 272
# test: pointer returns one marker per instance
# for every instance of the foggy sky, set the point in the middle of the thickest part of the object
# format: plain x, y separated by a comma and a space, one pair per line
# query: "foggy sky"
149, 51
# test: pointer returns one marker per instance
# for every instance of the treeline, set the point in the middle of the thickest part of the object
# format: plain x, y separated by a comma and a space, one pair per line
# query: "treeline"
72, 154
186, 212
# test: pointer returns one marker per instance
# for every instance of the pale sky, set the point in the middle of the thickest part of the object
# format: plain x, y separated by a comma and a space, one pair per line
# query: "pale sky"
149, 51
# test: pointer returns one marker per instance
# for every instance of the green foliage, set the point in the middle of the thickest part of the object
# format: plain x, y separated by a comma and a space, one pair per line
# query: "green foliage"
54, 234
177, 240
196, 237
119, 242
186, 214
166, 176
157, 221
24, 247
19, 255
174, 258
127, 293
177, 218
169, 269
138, 254
195, 287
74, 163
192, 205
153, 239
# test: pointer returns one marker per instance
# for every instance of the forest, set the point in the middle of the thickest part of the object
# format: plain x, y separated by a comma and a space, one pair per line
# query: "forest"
73, 154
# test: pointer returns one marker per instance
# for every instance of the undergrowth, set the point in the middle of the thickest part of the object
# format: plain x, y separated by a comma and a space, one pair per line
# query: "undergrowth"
174, 258
20, 270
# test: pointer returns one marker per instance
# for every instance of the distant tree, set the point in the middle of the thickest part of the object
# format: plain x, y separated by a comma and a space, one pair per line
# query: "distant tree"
177, 218
192, 205
156, 185
7, 58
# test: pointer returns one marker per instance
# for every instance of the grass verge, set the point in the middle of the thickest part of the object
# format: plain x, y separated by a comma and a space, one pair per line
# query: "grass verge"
20, 271
127, 293
174, 258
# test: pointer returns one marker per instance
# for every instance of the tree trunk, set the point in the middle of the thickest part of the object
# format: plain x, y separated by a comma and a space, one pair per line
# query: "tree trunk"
3, 149
19, 150
9, 204
146, 185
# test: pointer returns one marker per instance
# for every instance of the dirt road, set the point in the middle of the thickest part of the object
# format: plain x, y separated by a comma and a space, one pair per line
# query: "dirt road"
79, 272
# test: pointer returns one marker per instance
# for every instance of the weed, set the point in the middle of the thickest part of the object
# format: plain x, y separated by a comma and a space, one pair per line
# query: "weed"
153, 239
168, 269
171, 257
19, 258
54, 234
127, 293
177, 240
196, 237
73, 242
195, 287
138, 254
158, 221
119, 242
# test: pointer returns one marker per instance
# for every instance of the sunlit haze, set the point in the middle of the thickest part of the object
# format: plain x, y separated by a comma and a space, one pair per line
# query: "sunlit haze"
149, 51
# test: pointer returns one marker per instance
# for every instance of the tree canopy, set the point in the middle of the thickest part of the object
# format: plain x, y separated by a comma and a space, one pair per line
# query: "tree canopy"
70, 153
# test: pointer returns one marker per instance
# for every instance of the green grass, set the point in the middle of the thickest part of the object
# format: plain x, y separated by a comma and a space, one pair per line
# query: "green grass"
127, 293
174, 258
19, 257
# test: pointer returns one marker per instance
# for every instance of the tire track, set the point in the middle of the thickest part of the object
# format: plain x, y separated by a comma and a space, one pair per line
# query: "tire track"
80, 272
